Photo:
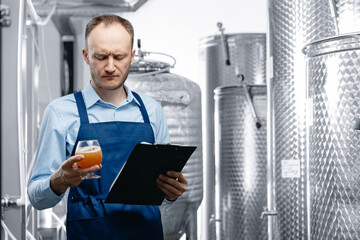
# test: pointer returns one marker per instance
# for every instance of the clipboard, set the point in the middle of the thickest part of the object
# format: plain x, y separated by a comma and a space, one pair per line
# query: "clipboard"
136, 182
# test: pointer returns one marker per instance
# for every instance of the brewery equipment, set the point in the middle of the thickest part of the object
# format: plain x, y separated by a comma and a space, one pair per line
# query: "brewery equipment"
241, 174
181, 102
333, 67
225, 59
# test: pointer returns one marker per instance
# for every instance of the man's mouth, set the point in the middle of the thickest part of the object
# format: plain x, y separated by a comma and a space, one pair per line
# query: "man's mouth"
110, 76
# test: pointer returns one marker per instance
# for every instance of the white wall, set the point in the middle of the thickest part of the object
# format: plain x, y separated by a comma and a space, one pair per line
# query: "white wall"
176, 26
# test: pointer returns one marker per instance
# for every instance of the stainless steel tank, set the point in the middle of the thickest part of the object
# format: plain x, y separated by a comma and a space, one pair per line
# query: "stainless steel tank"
224, 59
333, 67
347, 15
241, 164
293, 24
181, 102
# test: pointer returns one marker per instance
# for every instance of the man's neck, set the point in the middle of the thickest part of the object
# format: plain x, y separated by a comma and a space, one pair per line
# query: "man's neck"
112, 96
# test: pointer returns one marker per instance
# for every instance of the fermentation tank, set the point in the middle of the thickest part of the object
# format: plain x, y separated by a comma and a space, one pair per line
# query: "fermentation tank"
181, 102
241, 162
224, 59
333, 67
293, 24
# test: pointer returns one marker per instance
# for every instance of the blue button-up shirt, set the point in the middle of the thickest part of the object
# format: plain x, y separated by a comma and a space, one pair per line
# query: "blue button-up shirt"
59, 130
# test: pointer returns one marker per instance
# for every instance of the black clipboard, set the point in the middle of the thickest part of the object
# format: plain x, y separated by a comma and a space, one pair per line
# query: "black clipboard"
136, 182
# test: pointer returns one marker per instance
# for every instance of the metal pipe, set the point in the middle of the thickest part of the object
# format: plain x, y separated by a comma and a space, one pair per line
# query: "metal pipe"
271, 205
61, 223
166, 69
224, 44
29, 235
309, 105
1, 212
334, 15
35, 60
20, 94
20, 113
7, 231
191, 226
248, 98
36, 17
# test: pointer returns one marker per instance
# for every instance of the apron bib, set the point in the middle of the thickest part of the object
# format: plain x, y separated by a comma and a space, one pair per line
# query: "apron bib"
88, 217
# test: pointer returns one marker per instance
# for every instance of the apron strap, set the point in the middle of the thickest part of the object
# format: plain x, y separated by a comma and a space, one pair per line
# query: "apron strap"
142, 108
84, 119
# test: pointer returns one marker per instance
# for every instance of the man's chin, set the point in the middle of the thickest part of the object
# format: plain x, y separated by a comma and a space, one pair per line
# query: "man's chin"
111, 86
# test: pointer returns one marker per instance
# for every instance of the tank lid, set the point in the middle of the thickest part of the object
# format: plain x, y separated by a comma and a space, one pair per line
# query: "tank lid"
146, 66
231, 87
143, 65
333, 44
231, 37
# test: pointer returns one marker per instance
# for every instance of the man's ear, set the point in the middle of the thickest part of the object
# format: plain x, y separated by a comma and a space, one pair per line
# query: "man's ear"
85, 55
132, 56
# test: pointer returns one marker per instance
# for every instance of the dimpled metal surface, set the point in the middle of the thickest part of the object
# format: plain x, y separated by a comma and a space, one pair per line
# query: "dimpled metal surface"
334, 86
240, 164
181, 102
293, 24
247, 57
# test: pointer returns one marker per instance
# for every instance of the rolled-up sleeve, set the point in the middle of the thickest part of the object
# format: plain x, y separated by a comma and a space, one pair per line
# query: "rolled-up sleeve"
50, 153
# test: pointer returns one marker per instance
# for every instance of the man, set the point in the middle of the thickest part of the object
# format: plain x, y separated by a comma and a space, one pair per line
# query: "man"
108, 111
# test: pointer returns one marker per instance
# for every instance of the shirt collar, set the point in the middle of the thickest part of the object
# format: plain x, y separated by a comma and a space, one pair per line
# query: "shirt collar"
91, 97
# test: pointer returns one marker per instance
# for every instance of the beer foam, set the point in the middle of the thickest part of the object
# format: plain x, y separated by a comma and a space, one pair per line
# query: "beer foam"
88, 149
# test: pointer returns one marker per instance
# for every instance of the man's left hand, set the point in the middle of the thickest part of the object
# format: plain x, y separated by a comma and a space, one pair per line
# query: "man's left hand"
173, 184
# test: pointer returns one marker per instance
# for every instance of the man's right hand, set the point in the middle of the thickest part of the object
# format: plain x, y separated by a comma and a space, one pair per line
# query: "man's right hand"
69, 174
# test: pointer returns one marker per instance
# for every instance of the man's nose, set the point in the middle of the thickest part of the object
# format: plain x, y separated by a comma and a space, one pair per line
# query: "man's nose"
110, 67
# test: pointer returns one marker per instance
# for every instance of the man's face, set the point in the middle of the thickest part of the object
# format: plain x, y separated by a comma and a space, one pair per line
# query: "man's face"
109, 55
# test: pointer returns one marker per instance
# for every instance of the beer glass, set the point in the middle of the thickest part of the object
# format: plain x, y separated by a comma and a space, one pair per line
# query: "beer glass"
91, 151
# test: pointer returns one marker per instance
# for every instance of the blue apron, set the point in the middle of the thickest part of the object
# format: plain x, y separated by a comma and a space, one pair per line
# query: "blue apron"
88, 217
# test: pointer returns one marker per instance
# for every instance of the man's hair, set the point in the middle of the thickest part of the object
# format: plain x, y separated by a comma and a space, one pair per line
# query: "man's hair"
109, 19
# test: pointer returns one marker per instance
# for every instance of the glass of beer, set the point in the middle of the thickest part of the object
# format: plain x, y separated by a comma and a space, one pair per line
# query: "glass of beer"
91, 151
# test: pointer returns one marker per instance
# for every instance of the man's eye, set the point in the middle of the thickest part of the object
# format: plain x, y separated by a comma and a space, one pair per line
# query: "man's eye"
119, 58
100, 57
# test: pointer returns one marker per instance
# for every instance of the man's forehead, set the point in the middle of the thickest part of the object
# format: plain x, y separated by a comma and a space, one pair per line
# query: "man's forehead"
109, 41
110, 26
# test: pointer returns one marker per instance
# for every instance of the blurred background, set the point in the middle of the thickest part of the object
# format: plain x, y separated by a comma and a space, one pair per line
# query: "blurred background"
268, 90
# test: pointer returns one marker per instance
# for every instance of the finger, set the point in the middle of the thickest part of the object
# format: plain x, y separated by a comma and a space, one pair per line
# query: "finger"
168, 194
89, 170
173, 174
182, 179
169, 180
71, 160
176, 188
178, 176
170, 191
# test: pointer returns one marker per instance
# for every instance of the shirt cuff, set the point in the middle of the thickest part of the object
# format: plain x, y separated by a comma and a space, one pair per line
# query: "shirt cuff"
49, 193
170, 201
